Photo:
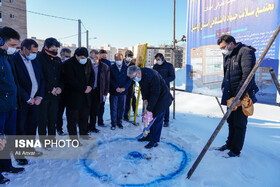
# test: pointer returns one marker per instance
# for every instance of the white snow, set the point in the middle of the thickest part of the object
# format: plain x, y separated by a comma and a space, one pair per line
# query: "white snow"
196, 118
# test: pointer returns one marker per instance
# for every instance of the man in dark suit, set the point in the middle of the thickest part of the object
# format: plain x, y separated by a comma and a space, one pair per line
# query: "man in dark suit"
130, 98
166, 70
52, 71
79, 79
119, 83
103, 58
65, 54
100, 88
156, 97
31, 84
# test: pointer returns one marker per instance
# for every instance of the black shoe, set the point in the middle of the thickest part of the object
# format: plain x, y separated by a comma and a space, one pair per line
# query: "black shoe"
166, 124
232, 154
113, 127
95, 130
3, 180
143, 139
22, 161
85, 137
223, 148
120, 126
151, 144
125, 119
61, 133
14, 170
101, 125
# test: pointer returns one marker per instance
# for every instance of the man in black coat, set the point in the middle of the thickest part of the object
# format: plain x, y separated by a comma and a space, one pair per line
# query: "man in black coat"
156, 96
239, 61
130, 98
65, 54
100, 88
52, 71
79, 80
103, 58
166, 70
31, 84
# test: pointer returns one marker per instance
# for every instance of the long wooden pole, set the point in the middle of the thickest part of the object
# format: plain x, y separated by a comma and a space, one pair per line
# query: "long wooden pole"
174, 42
220, 105
236, 99
275, 80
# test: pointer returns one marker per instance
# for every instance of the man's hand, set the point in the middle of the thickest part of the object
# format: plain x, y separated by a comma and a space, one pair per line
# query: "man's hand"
2, 144
118, 90
32, 101
54, 91
58, 90
88, 89
145, 102
145, 112
122, 90
37, 100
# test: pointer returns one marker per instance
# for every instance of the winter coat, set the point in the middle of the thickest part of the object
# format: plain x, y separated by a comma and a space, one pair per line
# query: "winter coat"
77, 78
103, 80
119, 79
237, 67
155, 91
166, 70
52, 69
8, 87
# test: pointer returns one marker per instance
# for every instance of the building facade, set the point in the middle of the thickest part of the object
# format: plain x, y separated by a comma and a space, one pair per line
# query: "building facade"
110, 50
13, 14
168, 55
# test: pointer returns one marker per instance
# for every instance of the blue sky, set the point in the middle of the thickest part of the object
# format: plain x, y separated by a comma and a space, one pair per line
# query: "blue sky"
121, 23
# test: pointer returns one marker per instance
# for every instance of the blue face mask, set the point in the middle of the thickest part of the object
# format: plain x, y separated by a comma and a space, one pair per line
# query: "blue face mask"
83, 61
31, 56
137, 79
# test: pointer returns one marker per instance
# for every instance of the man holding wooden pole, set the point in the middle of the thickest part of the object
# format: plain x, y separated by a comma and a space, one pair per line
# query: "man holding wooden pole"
239, 61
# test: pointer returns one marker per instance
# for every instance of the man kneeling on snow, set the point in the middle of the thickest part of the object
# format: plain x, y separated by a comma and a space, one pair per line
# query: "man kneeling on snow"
156, 97
239, 61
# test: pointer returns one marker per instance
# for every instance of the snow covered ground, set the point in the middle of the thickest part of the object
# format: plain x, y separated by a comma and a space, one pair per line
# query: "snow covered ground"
123, 161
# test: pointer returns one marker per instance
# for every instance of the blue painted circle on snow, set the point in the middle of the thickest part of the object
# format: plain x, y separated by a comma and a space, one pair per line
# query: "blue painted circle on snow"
135, 155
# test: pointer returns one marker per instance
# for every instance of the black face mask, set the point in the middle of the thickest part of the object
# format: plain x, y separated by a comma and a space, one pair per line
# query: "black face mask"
54, 52
51, 53
103, 59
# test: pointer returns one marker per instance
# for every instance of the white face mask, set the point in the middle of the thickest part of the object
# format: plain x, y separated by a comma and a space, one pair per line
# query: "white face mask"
119, 62
83, 61
128, 59
159, 62
66, 58
226, 52
11, 50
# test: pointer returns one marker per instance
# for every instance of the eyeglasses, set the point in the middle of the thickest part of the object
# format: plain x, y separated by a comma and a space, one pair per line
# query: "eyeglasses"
224, 47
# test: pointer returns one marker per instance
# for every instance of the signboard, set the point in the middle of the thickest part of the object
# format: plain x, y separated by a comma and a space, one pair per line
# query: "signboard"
141, 55
251, 22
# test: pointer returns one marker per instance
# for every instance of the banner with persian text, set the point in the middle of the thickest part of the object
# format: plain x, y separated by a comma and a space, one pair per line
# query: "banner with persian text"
251, 22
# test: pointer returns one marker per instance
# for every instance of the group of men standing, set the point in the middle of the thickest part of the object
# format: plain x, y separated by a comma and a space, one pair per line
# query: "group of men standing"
37, 87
